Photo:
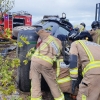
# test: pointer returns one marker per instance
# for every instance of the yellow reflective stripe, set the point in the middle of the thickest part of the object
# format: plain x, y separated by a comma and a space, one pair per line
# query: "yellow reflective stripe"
91, 58
43, 57
60, 98
81, 29
50, 39
58, 66
91, 65
83, 97
63, 80
74, 71
98, 40
39, 98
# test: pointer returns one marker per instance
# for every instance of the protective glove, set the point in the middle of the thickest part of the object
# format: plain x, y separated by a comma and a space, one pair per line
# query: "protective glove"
38, 29
74, 85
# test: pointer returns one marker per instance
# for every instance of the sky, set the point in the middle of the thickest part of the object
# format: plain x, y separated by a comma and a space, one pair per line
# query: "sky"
77, 11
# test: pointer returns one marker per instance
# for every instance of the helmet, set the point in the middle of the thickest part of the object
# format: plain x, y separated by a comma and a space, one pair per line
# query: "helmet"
83, 24
95, 24
81, 27
73, 34
84, 35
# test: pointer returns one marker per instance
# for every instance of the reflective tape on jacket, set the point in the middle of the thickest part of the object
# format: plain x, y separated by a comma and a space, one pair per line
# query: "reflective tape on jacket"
93, 63
98, 38
63, 80
43, 57
74, 71
90, 56
58, 66
39, 98
50, 39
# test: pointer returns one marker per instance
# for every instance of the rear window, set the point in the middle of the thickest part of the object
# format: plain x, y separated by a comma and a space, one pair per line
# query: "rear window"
62, 31
49, 26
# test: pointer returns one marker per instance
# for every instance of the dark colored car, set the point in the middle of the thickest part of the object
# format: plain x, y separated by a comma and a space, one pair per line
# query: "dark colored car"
57, 26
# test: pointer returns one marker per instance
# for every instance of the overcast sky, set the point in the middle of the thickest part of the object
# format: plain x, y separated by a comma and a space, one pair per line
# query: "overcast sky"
77, 11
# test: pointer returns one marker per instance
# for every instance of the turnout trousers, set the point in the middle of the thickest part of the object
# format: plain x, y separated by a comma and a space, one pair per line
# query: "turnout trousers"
89, 88
50, 77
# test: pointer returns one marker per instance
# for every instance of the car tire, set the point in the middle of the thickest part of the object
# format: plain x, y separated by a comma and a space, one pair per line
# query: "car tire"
24, 83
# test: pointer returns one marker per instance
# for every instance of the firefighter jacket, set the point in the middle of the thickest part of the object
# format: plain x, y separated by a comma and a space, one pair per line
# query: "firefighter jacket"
48, 50
88, 57
95, 35
63, 75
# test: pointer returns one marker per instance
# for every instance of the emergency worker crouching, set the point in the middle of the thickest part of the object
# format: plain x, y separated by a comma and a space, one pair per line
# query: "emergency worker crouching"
62, 70
95, 31
42, 62
85, 54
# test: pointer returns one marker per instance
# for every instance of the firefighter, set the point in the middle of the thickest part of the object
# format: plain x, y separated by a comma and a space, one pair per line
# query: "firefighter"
62, 70
81, 27
83, 24
95, 32
85, 54
41, 64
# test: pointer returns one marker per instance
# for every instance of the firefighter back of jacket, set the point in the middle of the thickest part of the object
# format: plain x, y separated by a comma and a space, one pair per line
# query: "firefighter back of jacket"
48, 50
94, 49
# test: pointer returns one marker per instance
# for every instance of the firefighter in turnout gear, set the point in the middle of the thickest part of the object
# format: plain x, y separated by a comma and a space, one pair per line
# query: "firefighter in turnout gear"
81, 27
85, 54
62, 70
83, 24
95, 32
41, 63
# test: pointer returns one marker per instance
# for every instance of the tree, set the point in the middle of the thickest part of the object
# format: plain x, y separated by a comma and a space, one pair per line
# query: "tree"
6, 5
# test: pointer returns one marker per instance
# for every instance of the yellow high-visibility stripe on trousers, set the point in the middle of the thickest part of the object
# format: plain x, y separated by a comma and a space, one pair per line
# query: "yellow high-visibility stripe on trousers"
60, 98
39, 98
83, 97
